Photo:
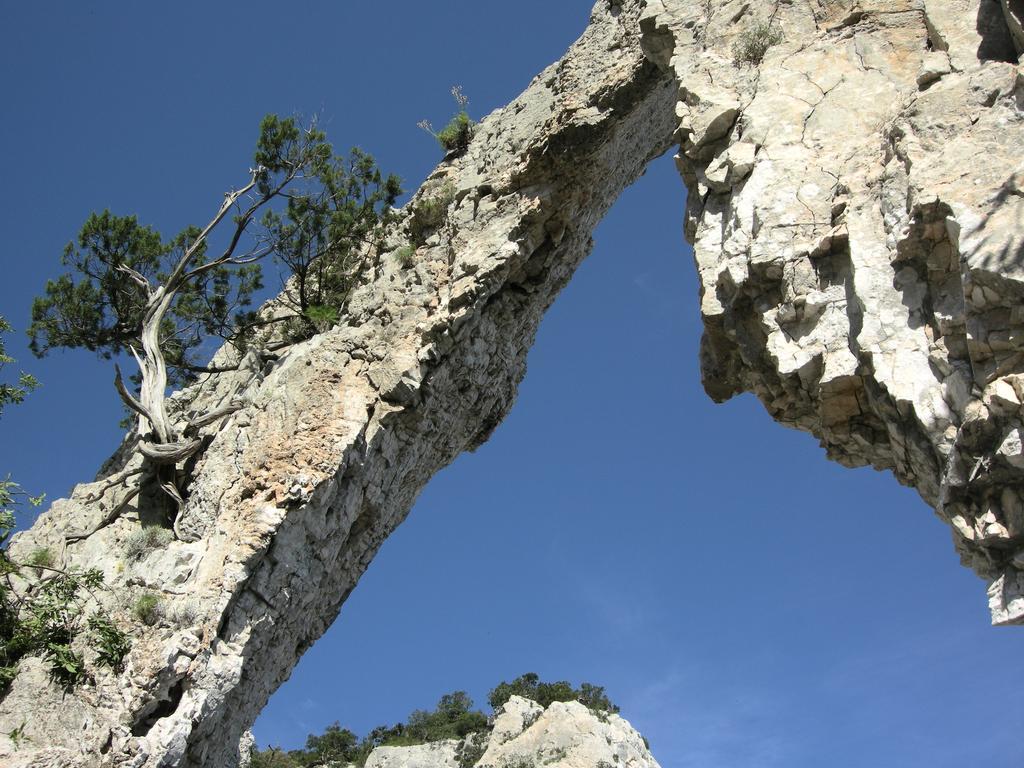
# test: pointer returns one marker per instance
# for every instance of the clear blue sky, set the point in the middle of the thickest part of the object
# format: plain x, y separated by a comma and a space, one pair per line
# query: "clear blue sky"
746, 602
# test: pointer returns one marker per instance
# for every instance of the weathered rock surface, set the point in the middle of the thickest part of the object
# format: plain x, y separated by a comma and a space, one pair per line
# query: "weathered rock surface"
863, 276
856, 202
565, 735
439, 754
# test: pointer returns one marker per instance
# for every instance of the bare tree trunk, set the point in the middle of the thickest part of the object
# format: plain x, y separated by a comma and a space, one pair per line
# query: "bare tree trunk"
153, 392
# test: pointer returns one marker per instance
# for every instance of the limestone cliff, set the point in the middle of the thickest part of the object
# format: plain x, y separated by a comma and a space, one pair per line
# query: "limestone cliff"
856, 198
855, 206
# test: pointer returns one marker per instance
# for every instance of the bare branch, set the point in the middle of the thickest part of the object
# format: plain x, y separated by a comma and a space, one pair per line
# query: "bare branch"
118, 479
207, 368
169, 453
229, 200
214, 415
110, 517
126, 396
138, 277
252, 256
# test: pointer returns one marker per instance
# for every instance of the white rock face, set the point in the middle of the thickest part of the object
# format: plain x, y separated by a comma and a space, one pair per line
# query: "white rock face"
565, 735
525, 735
440, 754
863, 279
856, 204
514, 717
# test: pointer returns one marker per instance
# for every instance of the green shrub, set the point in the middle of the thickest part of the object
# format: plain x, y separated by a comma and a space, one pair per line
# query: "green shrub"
530, 686
46, 621
455, 136
406, 256
42, 611
336, 744
7, 675
110, 643
272, 757
147, 608
519, 761
453, 718
470, 750
322, 317
144, 540
429, 212
67, 667
42, 557
754, 43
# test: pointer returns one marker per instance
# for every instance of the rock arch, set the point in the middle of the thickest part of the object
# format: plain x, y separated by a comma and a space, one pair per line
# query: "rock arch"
850, 277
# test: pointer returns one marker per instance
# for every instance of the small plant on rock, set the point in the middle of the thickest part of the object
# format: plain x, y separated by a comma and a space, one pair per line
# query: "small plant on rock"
144, 540
185, 614
754, 43
455, 136
17, 735
67, 666
519, 761
406, 256
147, 608
41, 557
429, 212
110, 643
470, 750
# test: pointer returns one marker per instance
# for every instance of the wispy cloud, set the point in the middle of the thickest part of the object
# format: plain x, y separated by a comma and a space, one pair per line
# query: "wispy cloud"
625, 611
659, 299
691, 722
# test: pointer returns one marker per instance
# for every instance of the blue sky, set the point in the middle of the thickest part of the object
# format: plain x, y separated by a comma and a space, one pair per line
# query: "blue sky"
745, 601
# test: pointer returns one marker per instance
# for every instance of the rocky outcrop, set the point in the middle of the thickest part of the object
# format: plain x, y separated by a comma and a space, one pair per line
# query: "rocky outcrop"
526, 735
856, 198
438, 754
565, 735
855, 209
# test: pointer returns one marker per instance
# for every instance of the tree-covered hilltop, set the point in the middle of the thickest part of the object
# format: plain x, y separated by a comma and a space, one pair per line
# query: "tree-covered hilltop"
452, 718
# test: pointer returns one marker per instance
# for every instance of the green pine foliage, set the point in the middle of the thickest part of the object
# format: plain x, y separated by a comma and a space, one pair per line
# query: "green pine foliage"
452, 718
336, 744
326, 232
406, 256
41, 557
320, 213
98, 306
